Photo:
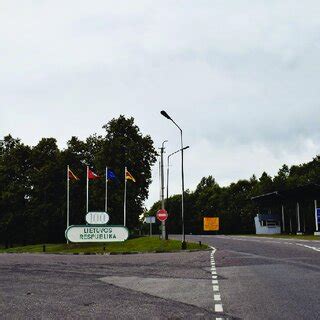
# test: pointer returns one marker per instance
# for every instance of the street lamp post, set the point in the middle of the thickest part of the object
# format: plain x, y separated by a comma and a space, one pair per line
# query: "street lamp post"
168, 165
183, 244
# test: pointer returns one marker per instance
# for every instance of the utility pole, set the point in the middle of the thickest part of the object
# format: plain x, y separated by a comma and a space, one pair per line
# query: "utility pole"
162, 189
183, 240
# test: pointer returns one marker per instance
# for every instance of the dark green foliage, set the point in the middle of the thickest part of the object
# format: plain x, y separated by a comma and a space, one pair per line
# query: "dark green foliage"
15, 185
232, 204
33, 181
47, 176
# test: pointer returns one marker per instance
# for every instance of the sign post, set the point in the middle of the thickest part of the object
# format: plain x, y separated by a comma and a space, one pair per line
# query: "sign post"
150, 220
163, 222
162, 215
97, 233
96, 230
211, 224
97, 218
317, 218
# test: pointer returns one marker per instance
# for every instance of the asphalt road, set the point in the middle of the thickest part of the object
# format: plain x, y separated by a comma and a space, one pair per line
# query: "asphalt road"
139, 286
246, 278
263, 278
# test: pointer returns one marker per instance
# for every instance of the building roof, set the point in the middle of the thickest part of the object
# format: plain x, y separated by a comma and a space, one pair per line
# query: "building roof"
305, 192
268, 216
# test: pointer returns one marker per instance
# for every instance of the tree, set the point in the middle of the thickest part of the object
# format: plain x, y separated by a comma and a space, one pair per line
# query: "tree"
15, 189
33, 181
281, 179
125, 146
47, 201
206, 201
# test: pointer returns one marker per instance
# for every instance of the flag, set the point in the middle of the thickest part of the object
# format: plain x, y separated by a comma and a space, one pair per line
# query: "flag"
92, 175
111, 175
71, 175
129, 176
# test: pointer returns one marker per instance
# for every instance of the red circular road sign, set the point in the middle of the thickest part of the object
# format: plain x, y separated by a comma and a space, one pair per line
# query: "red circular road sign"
162, 215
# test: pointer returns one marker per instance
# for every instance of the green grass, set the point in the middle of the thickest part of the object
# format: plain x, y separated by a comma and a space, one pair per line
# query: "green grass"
286, 236
143, 244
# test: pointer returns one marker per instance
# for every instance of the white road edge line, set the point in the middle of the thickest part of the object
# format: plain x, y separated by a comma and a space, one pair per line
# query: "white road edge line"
216, 296
309, 247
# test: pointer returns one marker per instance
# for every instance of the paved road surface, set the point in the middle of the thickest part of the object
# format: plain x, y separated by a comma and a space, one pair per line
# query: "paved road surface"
263, 278
143, 286
254, 278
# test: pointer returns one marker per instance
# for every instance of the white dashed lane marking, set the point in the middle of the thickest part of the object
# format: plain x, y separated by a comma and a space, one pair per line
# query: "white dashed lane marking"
218, 308
217, 297
216, 294
215, 287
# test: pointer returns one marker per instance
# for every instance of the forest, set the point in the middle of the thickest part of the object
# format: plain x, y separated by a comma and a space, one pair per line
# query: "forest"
33, 182
232, 203
33, 187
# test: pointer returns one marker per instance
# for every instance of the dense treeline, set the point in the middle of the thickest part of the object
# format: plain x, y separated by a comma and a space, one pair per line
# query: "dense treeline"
33, 181
33, 186
232, 203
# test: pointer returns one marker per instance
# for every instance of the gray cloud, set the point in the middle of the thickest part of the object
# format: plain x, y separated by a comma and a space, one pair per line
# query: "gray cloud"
241, 77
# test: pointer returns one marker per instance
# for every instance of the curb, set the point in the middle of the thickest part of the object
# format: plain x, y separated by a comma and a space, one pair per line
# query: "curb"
108, 253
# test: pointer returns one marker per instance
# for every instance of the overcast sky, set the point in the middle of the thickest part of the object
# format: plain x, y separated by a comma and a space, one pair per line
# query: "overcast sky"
240, 77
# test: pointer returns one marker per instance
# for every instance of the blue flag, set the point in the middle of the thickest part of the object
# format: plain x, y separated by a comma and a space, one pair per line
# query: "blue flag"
111, 175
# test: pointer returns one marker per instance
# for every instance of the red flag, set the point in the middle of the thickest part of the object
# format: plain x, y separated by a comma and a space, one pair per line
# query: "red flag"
92, 175
72, 175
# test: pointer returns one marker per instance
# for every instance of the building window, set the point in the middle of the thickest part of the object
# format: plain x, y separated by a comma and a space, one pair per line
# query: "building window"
272, 224
269, 223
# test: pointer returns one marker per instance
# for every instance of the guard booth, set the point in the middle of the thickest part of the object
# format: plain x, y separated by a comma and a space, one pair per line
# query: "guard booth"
295, 210
267, 224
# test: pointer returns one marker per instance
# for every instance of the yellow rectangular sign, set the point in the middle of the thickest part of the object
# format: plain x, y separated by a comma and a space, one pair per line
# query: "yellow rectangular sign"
210, 224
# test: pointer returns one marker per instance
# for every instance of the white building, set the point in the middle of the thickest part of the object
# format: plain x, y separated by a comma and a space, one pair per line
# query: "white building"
267, 224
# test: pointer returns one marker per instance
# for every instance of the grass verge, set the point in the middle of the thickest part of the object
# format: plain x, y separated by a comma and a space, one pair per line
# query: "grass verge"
143, 244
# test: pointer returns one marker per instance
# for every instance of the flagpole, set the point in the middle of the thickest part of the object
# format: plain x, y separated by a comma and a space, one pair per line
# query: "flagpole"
68, 198
87, 189
125, 197
106, 203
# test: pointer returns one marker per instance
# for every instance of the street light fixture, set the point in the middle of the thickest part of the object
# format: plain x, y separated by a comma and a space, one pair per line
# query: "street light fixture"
168, 165
183, 244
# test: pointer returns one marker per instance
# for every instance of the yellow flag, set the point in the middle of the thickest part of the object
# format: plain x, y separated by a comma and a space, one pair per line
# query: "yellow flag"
129, 176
